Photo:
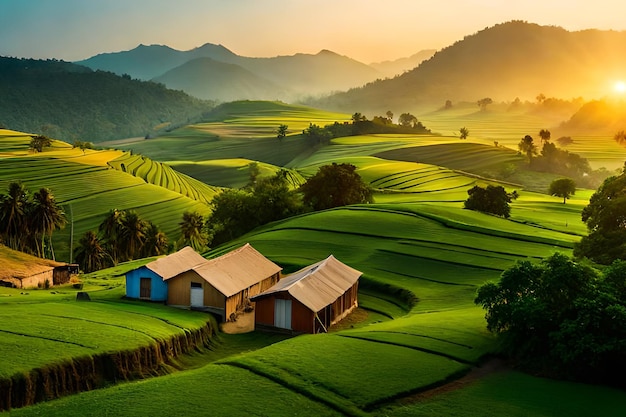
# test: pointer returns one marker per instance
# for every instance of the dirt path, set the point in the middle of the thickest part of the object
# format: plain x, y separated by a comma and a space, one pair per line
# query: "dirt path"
491, 366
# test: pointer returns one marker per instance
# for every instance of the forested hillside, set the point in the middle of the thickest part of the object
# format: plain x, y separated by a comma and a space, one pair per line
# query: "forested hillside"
503, 62
70, 102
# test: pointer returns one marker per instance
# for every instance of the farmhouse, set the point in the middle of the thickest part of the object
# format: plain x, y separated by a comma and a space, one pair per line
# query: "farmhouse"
148, 282
20, 270
310, 300
224, 285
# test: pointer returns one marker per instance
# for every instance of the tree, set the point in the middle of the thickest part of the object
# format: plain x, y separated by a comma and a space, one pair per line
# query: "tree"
192, 232
281, 132
560, 316
389, 115
407, 120
91, 254
45, 217
156, 241
82, 145
545, 134
562, 187
527, 146
492, 199
358, 117
541, 98
448, 105
483, 103
132, 235
605, 216
111, 230
565, 140
37, 143
316, 135
335, 185
14, 216
463, 133
620, 137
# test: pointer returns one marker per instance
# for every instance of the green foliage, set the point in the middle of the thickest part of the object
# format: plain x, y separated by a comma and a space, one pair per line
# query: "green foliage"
560, 316
124, 236
238, 211
492, 199
82, 103
407, 120
281, 132
605, 217
26, 222
335, 185
527, 146
37, 143
192, 232
563, 187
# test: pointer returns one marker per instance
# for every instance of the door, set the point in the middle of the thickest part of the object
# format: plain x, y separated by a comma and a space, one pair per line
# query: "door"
145, 288
197, 295
282, 313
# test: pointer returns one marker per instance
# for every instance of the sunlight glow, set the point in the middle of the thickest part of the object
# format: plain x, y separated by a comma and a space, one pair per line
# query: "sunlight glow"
620, 87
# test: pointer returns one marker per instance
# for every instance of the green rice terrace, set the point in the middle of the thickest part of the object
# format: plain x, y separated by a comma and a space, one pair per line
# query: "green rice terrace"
418, 344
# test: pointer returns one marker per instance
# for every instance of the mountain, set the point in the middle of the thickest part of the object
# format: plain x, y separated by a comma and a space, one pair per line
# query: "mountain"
148, 61
509, 60
207, 78
398, 66
70, 102
297, 75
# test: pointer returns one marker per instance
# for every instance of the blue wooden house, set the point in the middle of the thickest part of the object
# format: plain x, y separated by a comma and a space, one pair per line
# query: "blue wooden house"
149, 281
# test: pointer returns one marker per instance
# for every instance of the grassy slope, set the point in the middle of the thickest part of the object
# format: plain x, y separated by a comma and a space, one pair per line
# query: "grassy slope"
91, 187
416, 237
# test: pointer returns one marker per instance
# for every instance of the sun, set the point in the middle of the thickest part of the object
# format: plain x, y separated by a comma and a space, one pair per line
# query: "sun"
619, 87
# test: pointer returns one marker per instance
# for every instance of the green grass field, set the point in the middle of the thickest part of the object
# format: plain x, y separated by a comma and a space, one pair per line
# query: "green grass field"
416, 242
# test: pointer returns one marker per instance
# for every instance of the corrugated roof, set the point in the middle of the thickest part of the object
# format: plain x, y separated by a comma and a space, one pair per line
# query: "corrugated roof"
237, 270
317, 285
176, 263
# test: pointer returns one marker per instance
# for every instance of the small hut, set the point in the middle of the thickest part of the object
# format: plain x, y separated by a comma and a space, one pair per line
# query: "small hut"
224, 285
310, 300
148, 282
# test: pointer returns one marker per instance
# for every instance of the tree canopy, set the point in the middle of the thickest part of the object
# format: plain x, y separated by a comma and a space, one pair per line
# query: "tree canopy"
562, 187
335, 185
492, 199
527, 146
605, 217
561, 317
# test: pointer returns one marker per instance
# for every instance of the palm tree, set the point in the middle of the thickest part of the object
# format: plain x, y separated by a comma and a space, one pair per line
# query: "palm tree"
191, 232
132, 235
111, 228
45, 217
156, 241
91, 254
13, 216
545, 134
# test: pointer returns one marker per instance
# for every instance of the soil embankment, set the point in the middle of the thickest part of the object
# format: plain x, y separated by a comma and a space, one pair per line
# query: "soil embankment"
91, 372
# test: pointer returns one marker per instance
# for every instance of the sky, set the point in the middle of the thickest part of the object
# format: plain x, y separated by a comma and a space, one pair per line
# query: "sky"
366, 30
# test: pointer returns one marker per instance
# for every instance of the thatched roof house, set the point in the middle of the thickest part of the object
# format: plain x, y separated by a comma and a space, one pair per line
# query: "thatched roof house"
310, 300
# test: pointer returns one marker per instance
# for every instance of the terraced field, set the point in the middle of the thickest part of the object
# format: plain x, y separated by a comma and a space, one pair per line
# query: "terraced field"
423, 257
87, 187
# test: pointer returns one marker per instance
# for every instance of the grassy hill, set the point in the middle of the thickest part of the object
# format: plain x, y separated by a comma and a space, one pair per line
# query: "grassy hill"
70, 102
423, 257
509, 60
90, 184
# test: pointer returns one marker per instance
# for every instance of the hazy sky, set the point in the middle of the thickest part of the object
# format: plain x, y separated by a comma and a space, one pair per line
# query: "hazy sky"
365, 30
